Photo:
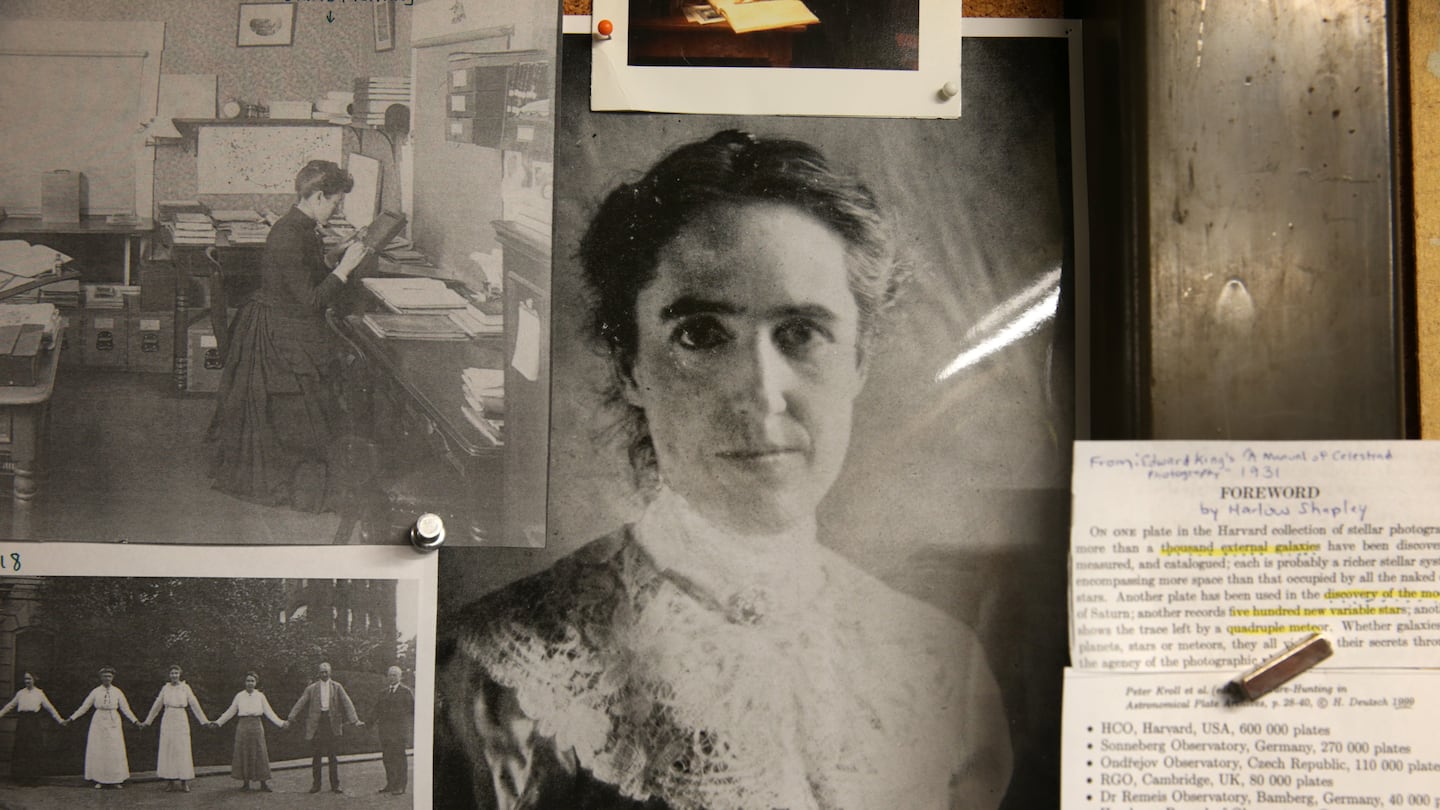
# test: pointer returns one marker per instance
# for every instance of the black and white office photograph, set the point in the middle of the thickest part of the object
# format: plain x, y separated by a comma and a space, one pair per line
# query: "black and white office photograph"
274, 272
814, 396
125, 690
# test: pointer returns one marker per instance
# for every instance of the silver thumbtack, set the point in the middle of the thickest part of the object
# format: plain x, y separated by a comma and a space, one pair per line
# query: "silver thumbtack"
428, 533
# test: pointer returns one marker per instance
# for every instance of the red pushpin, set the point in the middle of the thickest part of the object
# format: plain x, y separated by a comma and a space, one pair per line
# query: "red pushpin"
605, 28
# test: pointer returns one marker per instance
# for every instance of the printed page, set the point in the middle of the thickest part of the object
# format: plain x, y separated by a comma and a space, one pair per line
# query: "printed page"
1341, 738
1214, 555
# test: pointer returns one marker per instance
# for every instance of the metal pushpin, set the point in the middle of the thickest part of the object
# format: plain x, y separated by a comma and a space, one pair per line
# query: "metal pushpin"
948, 91
428, 533
1292, 661
604, 29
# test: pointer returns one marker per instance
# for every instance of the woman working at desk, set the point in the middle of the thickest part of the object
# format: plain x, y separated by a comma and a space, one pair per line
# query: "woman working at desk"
278, 401
713, 655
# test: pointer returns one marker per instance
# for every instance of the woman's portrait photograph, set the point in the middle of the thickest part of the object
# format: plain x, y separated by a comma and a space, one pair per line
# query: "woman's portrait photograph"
812, 408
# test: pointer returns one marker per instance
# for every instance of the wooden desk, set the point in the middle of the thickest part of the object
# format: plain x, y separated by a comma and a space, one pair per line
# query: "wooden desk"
32, 228
213, 264
24, 409
674, 39
424, 379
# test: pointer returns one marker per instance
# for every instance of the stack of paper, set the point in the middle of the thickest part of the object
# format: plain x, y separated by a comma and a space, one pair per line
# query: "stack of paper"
62, 293
191, 229
398, 326
375, 94
411, 295
484, 400
43, 315
745, 16
243, 226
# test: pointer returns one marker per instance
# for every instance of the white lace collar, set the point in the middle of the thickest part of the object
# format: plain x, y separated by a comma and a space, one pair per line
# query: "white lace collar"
740, 572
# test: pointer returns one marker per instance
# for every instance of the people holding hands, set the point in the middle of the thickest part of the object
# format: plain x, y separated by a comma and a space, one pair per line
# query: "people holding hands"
175, 762
106, 763
251, 761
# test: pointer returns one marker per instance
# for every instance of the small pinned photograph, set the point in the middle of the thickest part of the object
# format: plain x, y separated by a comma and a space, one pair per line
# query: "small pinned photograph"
266, 24
127, 691
883, 58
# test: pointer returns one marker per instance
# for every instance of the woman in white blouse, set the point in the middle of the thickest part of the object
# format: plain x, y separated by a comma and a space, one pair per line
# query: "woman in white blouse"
27, 704
175, 762
252, 760
714, 654
105, 761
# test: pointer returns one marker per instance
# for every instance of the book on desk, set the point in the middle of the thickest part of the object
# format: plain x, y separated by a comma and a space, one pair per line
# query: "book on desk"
746, 16
429, 309
26, 332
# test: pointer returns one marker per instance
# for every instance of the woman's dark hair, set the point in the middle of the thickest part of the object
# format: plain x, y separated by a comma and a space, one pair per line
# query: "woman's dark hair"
324, 176
252, 675
635, 221
174, 667
104, 670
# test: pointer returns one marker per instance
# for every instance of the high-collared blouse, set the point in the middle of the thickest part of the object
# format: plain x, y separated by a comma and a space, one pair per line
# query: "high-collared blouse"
30, 699
250, 704
673, 663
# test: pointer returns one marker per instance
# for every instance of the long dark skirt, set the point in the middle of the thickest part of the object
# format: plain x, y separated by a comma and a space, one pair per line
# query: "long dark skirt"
275, 412
252, 759
29, 758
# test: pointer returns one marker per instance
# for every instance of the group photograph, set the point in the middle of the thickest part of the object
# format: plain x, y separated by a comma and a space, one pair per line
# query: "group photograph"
137, 691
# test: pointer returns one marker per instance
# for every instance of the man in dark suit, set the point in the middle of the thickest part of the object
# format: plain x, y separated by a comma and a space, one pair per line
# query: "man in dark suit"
326, 709
394, 720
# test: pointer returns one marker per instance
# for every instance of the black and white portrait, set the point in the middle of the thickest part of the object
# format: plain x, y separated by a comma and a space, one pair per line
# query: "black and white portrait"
811, 423
244, 263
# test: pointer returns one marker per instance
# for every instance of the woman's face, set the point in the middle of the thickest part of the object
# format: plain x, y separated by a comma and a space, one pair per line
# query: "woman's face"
107, 678
174, 675
326, 205
29, 681
250, 683
747, 364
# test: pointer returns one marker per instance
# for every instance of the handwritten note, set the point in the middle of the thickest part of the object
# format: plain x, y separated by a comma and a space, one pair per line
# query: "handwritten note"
1211, 555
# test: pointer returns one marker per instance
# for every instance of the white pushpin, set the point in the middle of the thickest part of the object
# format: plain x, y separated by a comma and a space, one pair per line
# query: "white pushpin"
948, 91
428, 533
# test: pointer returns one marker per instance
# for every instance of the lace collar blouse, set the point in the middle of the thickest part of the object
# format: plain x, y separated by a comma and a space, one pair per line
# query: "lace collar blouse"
677, 662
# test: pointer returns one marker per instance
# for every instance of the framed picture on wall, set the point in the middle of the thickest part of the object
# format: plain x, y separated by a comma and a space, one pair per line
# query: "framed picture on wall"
266, 24
384, 26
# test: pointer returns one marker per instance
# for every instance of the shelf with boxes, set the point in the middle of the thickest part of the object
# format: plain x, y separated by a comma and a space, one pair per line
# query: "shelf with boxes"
499, 100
